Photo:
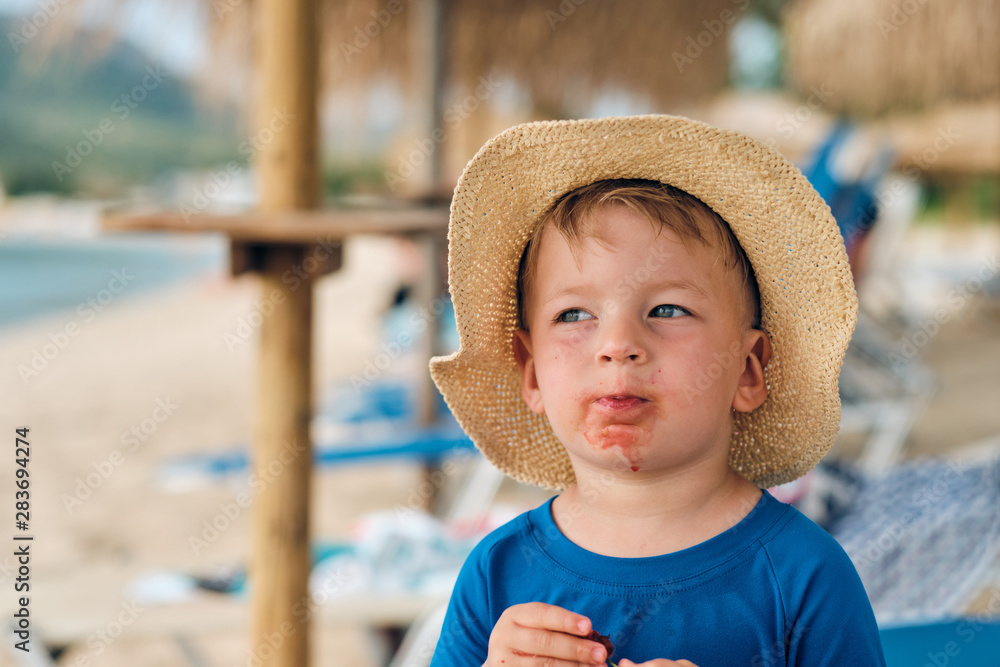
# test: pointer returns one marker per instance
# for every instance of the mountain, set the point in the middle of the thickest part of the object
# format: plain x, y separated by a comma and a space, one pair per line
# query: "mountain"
95, 119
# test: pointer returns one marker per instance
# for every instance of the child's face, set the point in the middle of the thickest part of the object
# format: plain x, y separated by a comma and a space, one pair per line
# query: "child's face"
638, 354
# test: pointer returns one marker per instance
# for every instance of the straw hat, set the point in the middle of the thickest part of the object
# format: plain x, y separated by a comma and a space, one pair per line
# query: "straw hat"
808, 303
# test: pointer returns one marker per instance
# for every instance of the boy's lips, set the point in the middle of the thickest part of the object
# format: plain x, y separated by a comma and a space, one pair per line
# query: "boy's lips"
619, 402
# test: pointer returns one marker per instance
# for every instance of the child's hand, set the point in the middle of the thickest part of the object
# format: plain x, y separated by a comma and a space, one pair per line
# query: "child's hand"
658, 663
535, 633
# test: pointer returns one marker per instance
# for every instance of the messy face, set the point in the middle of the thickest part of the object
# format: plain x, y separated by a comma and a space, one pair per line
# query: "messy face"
638, 346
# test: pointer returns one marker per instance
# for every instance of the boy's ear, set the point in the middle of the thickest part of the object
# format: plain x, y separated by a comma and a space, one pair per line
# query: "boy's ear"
751, 390
521, 342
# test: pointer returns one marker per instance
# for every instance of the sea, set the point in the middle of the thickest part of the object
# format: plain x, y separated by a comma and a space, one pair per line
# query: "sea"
42, 276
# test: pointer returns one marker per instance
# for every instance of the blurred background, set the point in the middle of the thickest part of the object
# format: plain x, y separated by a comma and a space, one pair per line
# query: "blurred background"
133, 355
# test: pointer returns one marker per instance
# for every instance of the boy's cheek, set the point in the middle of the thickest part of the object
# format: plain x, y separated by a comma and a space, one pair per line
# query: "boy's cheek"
571, 349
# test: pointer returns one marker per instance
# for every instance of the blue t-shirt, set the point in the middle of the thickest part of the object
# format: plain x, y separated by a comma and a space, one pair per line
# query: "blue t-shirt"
775, 589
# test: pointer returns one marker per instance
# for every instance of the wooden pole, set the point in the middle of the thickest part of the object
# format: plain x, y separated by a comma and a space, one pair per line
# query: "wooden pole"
289, 172
430, 74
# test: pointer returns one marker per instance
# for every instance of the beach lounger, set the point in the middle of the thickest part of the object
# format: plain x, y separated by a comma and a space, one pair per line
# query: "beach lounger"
884, 388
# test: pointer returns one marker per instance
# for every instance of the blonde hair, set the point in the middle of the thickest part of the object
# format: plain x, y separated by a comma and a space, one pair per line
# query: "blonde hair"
664, 206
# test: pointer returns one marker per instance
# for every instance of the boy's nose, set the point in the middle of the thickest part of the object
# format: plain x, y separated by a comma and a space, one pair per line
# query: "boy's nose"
620, 344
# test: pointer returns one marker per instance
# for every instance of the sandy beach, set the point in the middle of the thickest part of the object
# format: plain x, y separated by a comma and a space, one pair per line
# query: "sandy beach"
160, 363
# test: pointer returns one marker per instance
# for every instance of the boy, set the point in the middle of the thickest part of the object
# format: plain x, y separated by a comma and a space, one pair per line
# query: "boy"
652, 315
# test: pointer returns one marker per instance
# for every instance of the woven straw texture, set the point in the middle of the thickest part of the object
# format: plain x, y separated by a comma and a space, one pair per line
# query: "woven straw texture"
808, 302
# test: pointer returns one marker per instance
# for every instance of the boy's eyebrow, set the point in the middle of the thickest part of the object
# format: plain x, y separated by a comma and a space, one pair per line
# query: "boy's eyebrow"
568, 290
680, 283
670, 283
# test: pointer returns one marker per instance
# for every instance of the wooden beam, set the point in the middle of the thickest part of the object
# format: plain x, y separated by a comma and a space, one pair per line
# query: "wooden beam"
317, 260
288, 168
323, 229
287, 226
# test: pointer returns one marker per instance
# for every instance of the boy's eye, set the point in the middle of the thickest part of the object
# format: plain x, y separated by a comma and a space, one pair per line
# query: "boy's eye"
573, 315
667, 310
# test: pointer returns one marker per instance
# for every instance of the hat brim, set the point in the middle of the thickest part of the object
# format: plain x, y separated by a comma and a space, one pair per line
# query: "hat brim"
808, 302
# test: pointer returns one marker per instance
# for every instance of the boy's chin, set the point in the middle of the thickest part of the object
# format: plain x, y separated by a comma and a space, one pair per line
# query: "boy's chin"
603, 467
612, 467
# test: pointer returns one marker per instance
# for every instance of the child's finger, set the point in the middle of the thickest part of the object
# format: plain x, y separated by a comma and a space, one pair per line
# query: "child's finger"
549, 617
559, 645
526, 660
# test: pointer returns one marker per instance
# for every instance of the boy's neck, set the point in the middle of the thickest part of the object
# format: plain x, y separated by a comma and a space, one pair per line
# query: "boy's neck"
651, 516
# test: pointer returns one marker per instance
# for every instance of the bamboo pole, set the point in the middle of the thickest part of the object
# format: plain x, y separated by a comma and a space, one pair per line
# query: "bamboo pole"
288, 168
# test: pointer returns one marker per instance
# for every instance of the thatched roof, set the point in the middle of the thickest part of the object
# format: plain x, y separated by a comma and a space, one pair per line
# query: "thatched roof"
562, 53
565, 52
875, 56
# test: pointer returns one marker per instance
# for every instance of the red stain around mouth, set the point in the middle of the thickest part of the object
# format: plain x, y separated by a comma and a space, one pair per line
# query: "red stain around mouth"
629, 432
626, 438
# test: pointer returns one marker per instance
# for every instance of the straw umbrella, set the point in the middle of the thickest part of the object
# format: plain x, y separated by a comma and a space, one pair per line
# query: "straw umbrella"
880, 56
923, 74
560, 56
562, 53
